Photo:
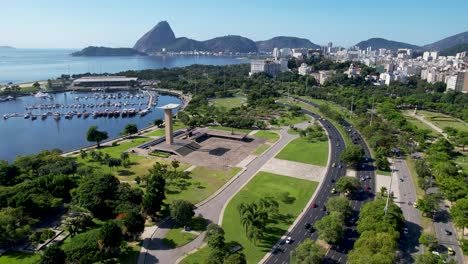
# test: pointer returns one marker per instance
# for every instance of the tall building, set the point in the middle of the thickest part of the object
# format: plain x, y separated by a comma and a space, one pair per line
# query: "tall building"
276, 53
329, 47
267, 66
461, 84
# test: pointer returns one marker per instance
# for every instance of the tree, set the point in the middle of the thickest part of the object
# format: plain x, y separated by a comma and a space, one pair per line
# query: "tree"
373, 218
14, 225
254, 218
216, 241
113, 162
182, 211
130, 129
459, 213
216, 256
158, 122
347, 184
352, 154
307, 253
8, 173
133, 224
94, 135
213, 229
429, 240
429, 204
83, 248
372, 247
428, 258
36, 85
237, 258
339, 204
53, 255
110, 238
330, 228
98, 195
125, 158
155, 190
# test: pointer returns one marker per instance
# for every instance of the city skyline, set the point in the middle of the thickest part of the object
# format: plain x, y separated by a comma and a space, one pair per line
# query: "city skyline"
59, 24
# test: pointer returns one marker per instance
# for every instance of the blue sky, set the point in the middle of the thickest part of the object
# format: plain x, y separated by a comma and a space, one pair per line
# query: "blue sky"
116, 23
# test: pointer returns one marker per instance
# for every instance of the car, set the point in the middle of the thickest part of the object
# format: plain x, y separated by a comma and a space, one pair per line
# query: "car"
368, 177
415, 205
401, 179
289, 240
324, 208
314, 205
333, 190
333, 165
436, 253
338, 144
352, 220
448, 232
363, 179
340, 166
366, 187
405, 231
307, 225
450, 251
311, 229
333, 180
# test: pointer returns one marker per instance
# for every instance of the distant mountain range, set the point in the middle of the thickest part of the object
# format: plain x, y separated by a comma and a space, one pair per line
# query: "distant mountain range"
162, 37
92, 51
381, 43
7, 47
448, 42
452, 51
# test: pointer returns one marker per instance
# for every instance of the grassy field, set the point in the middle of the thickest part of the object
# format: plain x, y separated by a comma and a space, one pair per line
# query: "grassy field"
176, 238
381, 172
301, 150
229, 102
419, 124
160, 132
198, 257
264, 185
442, 120
262, 148
287, 120
238, 130
203, 183
269, 135
19, 258
462, 161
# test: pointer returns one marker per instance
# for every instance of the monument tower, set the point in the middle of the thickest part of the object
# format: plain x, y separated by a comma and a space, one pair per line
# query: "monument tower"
168, 121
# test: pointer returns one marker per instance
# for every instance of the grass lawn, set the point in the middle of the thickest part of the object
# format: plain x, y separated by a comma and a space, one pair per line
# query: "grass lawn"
238, 130
160, 131
381, 172
262, 148
270, 135
198, 257
420, 124
203, 183
287, 120
462, 161
264, 185
442, 120
229, 102
176, 237
130, 256
19, 258
301, 150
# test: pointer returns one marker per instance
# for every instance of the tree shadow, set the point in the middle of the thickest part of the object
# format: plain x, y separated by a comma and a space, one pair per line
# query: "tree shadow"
125, 172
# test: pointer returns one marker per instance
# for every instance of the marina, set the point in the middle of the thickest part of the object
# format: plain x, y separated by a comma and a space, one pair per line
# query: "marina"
61, 123
113, 104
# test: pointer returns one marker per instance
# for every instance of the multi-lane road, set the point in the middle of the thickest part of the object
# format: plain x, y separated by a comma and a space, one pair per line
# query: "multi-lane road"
299, 233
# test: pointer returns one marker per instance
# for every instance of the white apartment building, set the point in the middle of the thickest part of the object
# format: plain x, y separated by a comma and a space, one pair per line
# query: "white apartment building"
270, 67
304, 69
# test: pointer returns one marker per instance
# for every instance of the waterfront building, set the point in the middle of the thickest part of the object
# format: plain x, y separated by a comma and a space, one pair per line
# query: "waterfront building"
104, 81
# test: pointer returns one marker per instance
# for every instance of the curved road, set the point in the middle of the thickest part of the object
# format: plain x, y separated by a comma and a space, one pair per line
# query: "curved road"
299, 233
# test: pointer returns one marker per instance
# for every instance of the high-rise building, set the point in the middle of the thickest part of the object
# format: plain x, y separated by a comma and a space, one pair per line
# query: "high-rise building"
267, 66
276, 53
461, 84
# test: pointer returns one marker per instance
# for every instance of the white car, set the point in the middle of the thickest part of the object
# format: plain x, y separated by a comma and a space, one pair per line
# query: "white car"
288, 240
405, 231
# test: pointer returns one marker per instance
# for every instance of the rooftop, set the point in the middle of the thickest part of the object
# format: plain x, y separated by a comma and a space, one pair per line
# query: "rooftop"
169, 106
106, 79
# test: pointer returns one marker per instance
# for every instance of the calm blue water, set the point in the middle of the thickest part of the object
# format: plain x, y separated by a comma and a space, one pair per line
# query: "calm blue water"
27, 65
19, 136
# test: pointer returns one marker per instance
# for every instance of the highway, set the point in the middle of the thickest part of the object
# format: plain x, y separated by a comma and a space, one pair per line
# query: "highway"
299, 233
